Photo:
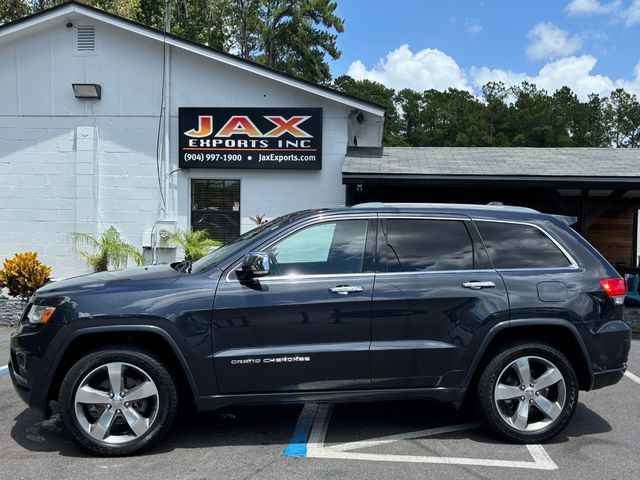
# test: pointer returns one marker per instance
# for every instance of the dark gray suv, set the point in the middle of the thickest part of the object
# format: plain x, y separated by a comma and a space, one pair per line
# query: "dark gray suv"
504, 305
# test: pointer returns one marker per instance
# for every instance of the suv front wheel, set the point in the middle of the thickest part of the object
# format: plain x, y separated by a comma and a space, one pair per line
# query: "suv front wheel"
118, 400
527, 392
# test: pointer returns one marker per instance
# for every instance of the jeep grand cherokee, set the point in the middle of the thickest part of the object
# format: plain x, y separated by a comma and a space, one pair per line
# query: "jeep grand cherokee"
504, 306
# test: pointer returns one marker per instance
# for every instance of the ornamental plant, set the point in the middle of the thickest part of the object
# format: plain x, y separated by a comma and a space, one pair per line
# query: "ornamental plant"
259, 219
23, 274
109, 250
195, 244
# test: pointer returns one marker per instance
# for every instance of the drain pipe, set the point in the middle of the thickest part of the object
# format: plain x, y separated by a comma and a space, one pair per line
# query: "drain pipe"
166, 147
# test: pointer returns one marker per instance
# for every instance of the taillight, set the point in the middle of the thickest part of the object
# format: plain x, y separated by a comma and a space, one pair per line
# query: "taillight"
614, 287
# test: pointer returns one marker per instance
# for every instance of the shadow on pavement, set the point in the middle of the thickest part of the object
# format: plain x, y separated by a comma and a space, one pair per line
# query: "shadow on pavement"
256, 425
273, 425
352, 422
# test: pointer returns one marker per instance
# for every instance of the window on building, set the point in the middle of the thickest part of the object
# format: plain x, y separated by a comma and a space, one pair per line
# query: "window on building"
512, 245
423, 245
215, 208
326, 248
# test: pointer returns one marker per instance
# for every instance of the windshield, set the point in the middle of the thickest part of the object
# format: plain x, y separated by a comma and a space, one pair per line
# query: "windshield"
238, 244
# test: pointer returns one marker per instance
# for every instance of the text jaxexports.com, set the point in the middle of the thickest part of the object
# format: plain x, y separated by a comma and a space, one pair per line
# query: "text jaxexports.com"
274, 157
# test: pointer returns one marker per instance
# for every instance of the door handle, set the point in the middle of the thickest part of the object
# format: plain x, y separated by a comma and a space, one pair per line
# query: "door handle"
478, 285
346, 289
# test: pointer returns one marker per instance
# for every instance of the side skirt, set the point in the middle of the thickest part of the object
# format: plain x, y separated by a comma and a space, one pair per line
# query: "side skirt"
443, 394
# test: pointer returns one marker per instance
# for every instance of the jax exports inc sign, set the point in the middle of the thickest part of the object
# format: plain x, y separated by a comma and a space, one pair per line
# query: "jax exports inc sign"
262, 138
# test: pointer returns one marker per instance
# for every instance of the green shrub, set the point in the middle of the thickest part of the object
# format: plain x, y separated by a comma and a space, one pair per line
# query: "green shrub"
195, 244
110, 249
23, 274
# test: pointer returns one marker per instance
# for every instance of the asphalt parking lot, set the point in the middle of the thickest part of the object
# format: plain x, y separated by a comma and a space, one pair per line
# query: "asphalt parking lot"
387, 440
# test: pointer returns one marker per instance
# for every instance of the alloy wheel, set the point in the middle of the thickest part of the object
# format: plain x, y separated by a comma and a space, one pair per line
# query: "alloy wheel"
116, 403
530, 393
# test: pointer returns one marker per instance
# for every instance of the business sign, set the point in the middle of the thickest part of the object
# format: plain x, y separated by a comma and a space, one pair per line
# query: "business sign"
261, 138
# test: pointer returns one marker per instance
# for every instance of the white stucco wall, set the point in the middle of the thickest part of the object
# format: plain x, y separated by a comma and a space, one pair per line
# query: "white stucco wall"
77, 165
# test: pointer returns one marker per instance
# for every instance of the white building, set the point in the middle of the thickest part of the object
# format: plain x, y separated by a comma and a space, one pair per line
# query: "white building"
81, 164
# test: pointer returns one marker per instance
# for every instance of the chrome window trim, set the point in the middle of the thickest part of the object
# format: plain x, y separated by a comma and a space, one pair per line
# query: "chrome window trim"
438, 272
572, 263
428, 216
319, 276
310, 222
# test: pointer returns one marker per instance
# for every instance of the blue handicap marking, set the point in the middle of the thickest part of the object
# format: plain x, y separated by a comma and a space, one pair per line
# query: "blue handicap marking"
298, 445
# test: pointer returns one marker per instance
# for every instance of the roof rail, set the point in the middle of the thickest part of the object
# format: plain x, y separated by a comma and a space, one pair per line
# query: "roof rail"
468, 206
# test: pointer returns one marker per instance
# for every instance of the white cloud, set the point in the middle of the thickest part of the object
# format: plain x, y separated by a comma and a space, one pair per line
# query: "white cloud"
425, 69
586, 7
549, 41
474, 28
632, 14
574, 72
629, 14
430, 68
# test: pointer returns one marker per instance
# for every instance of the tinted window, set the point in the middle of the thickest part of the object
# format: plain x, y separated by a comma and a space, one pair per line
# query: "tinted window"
326, 248
520, 246
416, 245
215, 208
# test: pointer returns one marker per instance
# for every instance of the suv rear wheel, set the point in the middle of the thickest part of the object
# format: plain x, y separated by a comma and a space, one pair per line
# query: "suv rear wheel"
118, 400
527, 392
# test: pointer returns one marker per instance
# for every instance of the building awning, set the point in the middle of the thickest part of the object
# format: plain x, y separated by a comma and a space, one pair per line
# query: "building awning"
582, 168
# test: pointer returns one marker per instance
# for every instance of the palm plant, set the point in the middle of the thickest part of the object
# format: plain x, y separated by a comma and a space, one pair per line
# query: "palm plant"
110, 249
259, 219
195, 244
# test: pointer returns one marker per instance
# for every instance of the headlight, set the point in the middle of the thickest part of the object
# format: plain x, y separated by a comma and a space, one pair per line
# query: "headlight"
39, 314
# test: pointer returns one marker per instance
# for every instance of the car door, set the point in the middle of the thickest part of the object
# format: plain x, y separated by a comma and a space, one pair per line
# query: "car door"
539, 274
435, 297
306, 325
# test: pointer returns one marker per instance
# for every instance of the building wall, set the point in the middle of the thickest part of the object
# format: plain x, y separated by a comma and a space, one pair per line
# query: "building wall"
81, 165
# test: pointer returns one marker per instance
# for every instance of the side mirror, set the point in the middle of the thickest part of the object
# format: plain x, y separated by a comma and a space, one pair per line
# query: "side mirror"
254, 265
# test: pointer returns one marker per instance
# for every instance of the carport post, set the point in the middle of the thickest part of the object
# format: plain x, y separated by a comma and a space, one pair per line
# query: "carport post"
584, 211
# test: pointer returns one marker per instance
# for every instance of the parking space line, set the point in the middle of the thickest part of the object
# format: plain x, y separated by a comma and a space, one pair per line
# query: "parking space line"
315, 447
402, 436
4, 370
298, 445
319, 429
632, 377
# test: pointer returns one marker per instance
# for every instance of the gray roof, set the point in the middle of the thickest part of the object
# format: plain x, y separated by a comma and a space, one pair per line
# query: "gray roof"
497, 162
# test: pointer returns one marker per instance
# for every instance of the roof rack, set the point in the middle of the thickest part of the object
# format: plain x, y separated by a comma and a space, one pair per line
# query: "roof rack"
468, 206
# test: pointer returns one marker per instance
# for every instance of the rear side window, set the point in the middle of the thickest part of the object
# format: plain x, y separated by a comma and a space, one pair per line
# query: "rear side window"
424, 245
513, 245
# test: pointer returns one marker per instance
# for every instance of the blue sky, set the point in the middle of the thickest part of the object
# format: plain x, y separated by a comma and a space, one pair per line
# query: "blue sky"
591, 45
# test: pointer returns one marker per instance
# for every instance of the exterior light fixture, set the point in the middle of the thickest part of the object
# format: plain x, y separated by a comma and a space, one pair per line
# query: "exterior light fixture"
87, 90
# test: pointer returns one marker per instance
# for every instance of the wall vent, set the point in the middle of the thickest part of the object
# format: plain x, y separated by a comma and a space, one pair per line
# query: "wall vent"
86, 38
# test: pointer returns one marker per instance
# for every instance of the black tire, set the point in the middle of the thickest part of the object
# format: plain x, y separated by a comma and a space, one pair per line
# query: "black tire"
165, 403
493, 412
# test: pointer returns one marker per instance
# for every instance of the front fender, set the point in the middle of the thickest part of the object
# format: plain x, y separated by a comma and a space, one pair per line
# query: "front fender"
197, 374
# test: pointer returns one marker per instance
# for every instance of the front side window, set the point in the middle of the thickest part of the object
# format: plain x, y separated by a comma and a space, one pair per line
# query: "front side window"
512, 245
325, 248
427, 245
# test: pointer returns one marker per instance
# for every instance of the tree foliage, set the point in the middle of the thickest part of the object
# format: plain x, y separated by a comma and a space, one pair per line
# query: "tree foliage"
502, 116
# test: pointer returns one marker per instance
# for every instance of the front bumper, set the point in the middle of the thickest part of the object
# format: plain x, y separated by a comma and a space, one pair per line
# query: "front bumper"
33, 354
